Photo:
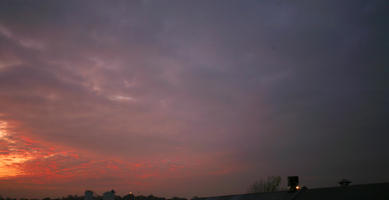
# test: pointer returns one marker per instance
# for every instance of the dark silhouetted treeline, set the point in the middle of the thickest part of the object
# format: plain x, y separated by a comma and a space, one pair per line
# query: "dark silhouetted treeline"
99, 197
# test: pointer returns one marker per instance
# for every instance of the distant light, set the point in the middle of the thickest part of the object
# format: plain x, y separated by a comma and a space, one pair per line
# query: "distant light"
130, 192
298, 188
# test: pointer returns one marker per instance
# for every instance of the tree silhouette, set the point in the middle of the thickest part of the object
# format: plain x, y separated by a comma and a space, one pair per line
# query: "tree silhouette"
270, 185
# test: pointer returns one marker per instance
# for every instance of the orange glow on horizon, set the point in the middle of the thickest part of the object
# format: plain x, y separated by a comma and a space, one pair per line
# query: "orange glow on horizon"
9, 165
3, 125
26, 159
40, 161
10, 160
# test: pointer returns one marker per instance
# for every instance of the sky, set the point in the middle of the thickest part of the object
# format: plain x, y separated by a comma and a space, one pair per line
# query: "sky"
191, 98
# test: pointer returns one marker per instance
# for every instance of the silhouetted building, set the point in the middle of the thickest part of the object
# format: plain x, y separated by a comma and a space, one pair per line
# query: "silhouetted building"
129, 197
293, 183
88, 195
109, 195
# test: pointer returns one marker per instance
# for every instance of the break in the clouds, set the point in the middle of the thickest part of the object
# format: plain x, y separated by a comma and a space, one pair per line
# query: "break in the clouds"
191, 97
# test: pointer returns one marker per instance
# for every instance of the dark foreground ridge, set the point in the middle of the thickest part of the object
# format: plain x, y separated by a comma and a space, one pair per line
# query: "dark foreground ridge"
377, 191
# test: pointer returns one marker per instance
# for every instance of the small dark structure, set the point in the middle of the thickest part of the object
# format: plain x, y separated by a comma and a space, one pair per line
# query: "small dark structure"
88, 195
293, 183
129, 197
344, 182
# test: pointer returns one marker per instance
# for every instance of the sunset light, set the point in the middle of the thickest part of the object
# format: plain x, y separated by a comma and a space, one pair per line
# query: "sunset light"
3, 132
11, 159
9, 165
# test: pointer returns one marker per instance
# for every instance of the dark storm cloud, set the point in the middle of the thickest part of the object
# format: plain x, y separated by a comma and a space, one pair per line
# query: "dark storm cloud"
274, 87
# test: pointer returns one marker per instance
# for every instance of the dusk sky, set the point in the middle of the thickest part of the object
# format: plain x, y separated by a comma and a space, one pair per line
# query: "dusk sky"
191, 98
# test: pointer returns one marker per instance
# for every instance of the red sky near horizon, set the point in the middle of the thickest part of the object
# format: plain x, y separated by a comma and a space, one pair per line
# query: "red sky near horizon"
41, 165
193, 98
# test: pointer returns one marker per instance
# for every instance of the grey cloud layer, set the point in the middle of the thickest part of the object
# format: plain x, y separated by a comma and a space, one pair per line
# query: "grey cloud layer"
261, 81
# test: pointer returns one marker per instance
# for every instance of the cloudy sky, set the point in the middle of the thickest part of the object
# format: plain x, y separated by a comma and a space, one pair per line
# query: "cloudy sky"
185, 98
